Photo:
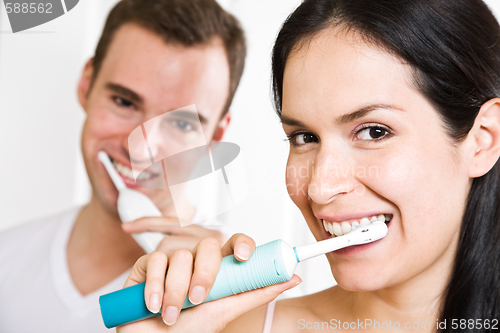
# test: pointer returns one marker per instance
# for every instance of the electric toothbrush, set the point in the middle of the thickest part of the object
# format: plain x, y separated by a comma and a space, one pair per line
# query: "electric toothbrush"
133, 205
270, 264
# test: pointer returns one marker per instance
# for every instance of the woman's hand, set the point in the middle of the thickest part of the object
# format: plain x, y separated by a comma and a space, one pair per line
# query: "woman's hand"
182, 279
178, 237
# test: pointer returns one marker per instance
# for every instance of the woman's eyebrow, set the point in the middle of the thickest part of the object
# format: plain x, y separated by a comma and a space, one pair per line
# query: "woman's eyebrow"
349, 117
346, 118
290, 121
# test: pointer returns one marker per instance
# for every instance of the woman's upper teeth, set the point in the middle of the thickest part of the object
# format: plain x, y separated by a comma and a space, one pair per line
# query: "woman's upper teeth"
127, 172
342, 228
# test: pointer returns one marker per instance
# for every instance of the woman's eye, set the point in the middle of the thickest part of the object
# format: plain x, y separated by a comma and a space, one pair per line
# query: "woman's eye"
372, 133
123, 102
300, 139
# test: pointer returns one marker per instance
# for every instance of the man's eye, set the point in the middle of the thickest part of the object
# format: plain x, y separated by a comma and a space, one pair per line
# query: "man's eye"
123, 102
372, 133
183, 125
300, 139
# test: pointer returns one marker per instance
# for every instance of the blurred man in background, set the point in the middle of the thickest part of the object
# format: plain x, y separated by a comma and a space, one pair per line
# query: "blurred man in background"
153, 57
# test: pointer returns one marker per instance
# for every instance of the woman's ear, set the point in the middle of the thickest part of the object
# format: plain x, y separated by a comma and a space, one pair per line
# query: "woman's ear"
485, 136
84, 83
222, 126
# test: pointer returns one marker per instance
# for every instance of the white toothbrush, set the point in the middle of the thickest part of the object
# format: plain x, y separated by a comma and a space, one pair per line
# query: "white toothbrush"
133, 205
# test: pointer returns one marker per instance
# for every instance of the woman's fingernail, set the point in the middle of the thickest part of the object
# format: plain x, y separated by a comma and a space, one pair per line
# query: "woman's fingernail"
243, 251
295, 285
170, 315
197, 294
154, 303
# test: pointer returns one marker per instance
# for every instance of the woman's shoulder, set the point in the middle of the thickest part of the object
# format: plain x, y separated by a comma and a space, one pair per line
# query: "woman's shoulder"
288, 313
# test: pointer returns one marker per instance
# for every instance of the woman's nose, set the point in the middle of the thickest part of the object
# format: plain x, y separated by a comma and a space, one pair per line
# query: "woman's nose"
332, 176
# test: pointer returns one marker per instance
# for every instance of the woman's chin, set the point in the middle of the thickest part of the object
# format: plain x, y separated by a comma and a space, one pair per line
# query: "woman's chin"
368, 280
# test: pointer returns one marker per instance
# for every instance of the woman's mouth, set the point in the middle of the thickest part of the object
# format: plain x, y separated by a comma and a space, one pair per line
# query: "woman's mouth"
341, 228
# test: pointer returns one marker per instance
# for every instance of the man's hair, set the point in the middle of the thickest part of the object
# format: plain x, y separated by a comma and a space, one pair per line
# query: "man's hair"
184, 22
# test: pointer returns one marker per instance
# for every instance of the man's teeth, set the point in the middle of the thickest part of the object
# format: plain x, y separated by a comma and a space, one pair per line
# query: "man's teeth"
342, 228
127, 172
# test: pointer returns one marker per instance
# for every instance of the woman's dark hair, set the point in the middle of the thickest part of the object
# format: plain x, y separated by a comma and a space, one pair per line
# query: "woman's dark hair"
453, 47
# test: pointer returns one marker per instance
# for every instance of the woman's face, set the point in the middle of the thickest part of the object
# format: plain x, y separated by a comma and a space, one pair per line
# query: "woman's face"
365, 142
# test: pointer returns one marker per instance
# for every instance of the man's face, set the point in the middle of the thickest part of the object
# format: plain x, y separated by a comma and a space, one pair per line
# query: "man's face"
142, 77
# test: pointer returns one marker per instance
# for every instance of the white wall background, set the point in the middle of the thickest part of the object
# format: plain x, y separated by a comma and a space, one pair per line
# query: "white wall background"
41, 169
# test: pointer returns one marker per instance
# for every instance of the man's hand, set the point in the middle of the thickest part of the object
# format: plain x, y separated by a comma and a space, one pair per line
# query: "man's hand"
178, 237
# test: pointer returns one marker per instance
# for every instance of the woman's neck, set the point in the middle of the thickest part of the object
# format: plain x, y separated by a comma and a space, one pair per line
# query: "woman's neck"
416, 300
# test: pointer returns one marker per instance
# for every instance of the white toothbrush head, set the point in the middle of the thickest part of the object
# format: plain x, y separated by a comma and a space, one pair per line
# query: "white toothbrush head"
113, 174
367, 234
361, 235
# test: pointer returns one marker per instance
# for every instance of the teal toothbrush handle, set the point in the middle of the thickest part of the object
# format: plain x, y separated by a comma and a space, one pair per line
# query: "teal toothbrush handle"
266, 267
